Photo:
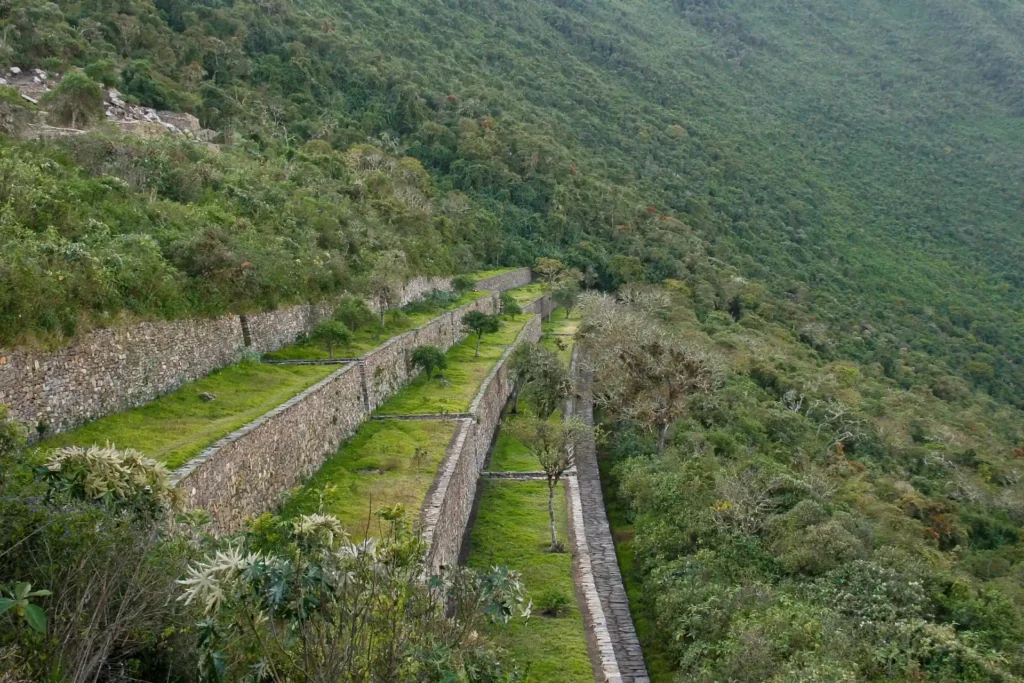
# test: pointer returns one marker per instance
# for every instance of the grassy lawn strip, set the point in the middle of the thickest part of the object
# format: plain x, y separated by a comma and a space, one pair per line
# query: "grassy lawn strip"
455, 391
559, 325
511, 529
527, 293
376, 467
484, 274
372, 336
177, 427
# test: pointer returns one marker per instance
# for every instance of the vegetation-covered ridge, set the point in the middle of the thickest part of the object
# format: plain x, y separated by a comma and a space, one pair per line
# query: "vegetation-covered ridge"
799, 518
858, 163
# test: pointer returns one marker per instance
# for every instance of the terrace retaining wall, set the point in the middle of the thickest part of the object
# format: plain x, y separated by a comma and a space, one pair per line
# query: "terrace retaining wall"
110, 370
449, 504
519, 277
247, 472
542, 306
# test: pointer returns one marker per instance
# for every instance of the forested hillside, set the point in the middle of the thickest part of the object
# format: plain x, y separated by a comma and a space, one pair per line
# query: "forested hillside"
860, 161
823, 198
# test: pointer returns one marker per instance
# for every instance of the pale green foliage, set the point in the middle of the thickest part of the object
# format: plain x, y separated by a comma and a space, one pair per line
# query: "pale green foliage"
331, 334
316, 606
106, 474
77, 100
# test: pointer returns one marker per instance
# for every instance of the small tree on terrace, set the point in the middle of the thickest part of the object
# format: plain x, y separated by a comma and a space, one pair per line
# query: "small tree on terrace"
547, 385
387, 281
354, 312
429, 358
463, 283
480, 324
330, 334
77, 99
521, 364
566, 294
554, 445
509, 305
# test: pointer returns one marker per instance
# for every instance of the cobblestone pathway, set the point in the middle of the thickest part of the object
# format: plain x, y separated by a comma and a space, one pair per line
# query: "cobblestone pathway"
609, 619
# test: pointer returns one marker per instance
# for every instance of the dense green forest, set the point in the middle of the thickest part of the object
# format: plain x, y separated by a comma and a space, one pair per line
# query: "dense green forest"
861, 161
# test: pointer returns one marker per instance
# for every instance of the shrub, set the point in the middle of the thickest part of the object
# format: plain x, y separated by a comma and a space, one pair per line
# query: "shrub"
77, 99
280, 608
553, 602
509, 305
103, 71
118, 478
330, 334
429, 358
463, 283
354, 312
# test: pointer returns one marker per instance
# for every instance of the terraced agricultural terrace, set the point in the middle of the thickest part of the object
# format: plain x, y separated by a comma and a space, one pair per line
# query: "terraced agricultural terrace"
175, 428
511, 529
394, 461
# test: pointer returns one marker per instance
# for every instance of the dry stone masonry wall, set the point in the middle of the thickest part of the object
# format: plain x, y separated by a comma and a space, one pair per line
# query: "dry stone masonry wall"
247, 472
611, 633
542, 306
446, 512
110, 370
519, 277
388, 368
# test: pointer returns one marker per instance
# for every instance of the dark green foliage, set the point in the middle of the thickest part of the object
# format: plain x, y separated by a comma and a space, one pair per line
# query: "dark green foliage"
354, 312
463, 283
76, 101
509, 305
480, 323
331, 334
553, 602
429, 359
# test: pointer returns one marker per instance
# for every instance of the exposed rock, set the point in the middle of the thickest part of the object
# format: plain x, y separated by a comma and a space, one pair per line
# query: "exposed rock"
207, 396
29, 99
3, 81
183, 122
15, 71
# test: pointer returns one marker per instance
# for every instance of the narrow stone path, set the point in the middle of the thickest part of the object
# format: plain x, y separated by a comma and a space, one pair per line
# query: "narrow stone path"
625, 663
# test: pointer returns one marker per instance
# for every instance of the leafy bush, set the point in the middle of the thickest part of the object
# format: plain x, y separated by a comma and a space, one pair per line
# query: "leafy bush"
313, 604
354, 312
463, 283
77, 99
553, 602
430, 359
330, 334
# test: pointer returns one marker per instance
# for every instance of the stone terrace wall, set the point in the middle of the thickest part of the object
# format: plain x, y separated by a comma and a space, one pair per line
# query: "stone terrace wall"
542, 306
114, 369
245, 474
446, 512
387, 368
510, 280
270, 330
110, 370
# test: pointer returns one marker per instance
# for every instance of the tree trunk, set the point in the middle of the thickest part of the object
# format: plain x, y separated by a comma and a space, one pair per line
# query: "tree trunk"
383, 316
551, 513
74, 118
515, 399
478, 338
662, 433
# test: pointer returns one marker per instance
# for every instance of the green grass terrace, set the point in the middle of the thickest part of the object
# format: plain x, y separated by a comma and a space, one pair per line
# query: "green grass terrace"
511, 530
393, 462
373, 335
528, 293
175, 428
454, 392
